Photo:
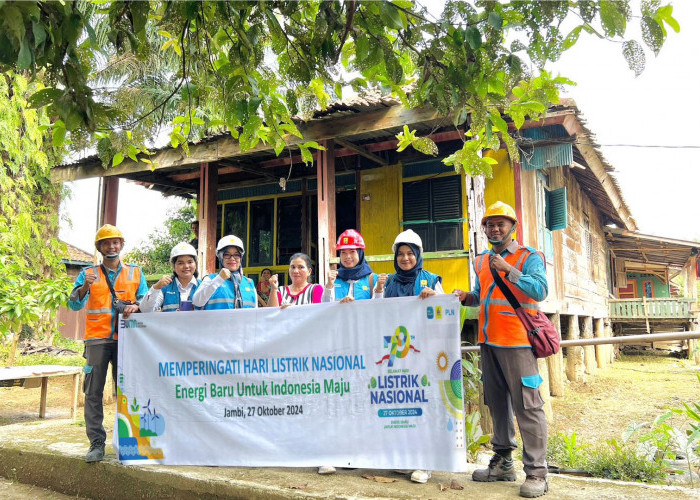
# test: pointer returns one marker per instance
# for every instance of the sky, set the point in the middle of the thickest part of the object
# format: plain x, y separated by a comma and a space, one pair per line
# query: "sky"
658, 108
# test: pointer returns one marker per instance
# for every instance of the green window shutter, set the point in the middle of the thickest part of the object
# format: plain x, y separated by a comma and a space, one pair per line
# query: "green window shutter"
416, 201
557, 216
447, 198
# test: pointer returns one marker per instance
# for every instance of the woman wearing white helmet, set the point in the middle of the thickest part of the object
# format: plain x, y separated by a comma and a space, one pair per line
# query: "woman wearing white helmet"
174, 293
411, 280
228, 289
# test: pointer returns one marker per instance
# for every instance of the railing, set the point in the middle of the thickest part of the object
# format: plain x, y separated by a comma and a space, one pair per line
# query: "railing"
643, 308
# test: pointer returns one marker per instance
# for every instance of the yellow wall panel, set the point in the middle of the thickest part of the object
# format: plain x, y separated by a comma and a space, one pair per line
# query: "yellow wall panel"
380, 205
501, 187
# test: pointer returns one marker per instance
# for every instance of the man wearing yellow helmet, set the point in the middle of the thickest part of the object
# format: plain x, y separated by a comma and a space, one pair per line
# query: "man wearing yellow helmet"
108, 290
509, 368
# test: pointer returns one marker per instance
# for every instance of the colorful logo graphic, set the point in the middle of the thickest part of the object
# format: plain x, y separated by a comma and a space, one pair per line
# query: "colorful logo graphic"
430, 312
438, 312
136, 429
399, 345
451, 393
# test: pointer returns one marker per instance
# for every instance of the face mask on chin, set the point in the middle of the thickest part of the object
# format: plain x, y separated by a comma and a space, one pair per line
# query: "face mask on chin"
111, 256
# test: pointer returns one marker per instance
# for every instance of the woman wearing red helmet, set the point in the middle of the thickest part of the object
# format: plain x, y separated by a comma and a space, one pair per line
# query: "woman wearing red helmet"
354, 279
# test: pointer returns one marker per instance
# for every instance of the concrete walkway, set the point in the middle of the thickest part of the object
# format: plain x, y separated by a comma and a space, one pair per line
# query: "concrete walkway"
50, 454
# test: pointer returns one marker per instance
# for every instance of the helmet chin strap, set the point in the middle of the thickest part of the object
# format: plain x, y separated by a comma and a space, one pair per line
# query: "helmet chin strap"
506, 238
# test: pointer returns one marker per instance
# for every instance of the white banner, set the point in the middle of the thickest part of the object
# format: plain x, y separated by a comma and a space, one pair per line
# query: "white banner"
370, 384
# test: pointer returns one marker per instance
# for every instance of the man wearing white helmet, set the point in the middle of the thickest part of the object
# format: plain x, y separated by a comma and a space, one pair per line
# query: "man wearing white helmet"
174, 292
228, 289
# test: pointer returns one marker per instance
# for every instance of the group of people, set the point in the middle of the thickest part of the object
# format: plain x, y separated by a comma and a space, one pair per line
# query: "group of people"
508, 365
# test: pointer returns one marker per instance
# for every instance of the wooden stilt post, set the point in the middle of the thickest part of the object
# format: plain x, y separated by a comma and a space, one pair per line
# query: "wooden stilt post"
555, 364
588, 351
609, 333
110, 197
574, 355
600, 350
208, 187
325, 174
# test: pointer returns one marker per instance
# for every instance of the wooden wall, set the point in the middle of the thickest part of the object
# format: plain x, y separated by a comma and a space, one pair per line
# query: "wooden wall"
577, 277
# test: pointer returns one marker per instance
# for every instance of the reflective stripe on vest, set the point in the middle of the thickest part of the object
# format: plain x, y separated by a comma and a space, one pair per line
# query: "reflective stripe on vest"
225, 298
171, 296
360, 290
101, 319
498, 323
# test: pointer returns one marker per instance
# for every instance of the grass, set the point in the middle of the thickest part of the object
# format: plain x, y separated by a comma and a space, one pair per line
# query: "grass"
46, 358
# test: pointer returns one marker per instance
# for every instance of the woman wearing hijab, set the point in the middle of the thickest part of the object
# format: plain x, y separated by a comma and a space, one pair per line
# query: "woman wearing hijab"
228, 289
354, 279
174, 293
411, 280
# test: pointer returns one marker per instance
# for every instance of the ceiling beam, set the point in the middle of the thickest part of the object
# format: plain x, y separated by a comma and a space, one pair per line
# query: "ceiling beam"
361, 151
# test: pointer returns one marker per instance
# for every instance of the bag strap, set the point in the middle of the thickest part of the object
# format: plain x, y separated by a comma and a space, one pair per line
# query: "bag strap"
109, 283
514, 303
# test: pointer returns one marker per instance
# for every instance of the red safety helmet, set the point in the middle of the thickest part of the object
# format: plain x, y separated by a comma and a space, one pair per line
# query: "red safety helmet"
350, 239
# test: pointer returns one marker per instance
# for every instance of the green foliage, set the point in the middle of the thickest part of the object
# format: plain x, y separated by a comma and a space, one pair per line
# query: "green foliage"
620, 461
154, 256
471, 376
120, 68
565, 451
34, 283
474, 436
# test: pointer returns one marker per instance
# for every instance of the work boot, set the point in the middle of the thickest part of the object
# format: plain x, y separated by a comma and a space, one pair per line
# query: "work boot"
96, 452
534, 487
500, 469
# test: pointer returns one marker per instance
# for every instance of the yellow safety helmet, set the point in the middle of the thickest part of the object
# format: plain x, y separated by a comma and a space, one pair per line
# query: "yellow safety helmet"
108, 231
499, 209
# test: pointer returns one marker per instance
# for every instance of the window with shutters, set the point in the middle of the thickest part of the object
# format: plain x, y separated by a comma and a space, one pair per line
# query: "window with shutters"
544, 232
433, 209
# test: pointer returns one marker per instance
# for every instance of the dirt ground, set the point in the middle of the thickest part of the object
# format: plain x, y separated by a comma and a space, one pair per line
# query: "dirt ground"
634, 389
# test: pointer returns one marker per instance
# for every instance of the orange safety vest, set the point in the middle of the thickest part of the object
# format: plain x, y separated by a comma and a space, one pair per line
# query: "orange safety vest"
498, 323
101, 318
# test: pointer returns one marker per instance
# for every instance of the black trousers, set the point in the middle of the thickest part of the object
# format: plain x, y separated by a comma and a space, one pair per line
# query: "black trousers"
98, 358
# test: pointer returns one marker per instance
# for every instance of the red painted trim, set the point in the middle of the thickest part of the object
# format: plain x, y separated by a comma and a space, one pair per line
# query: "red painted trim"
518, 186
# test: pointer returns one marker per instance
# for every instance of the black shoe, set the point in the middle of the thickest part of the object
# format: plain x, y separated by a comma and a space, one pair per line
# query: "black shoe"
499, 469
96, 452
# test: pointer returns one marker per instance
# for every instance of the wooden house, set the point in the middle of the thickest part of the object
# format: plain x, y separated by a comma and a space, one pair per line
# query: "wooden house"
562, 189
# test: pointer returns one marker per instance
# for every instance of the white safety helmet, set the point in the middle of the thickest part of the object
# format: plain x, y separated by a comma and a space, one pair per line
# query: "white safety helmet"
182, 249
230, 241
408, 236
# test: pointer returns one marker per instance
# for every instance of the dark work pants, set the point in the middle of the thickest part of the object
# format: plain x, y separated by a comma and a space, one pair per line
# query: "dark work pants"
98, 358
505, 395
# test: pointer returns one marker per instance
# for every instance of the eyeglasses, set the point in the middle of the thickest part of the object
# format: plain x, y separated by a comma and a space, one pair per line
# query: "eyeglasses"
234, 256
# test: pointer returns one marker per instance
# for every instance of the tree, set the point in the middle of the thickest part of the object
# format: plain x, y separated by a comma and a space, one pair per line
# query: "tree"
117, 71
34, 282
154, 257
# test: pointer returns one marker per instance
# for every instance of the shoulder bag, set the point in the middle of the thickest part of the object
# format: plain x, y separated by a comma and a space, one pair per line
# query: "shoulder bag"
541, 332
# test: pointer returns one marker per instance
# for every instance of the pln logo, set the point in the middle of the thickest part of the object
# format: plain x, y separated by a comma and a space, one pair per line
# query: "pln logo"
434, 312
399, 345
